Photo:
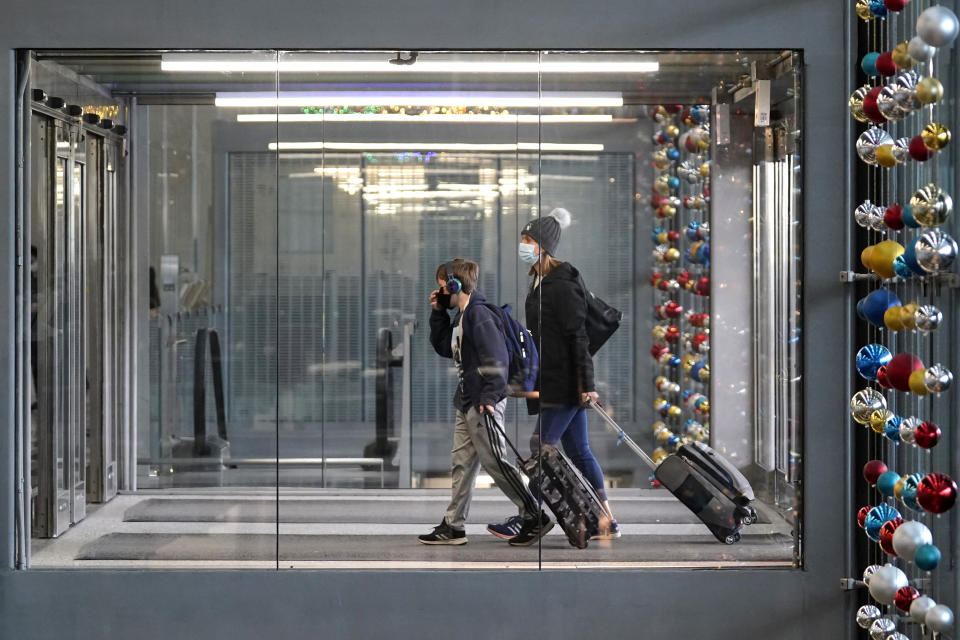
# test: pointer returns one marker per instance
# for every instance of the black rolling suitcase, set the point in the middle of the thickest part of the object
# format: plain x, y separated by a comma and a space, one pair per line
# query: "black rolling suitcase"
573, 501
712, 488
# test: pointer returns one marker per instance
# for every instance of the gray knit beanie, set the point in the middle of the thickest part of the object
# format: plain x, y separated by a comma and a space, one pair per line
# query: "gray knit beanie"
545, 230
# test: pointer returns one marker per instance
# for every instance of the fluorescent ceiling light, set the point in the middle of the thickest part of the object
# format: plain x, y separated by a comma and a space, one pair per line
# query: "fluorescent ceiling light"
529, 99
431, 146
432, 117
437, 63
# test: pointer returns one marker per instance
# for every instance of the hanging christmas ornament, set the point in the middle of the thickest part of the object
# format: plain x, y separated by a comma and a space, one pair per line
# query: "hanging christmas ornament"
875, 519
884, 586
882, 628
920, 607
928, 90
937, 493
869, 140
927, 318
900, 368
871, 108
931, 205
939, 618
908, 495
905, 597
935, 251
937, 378
895, 5
901, 57
917, 382
935, 136
907, 429
904, 90
873, 470
920, 50
918, 150
870, 358
937, 26
866, 615
864, 403
885, 65
908, 537
927, 557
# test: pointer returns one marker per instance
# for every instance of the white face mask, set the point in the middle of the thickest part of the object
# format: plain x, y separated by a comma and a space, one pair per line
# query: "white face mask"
527, 254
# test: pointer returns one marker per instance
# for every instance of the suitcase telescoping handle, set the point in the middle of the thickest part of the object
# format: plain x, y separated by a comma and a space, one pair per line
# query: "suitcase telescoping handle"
491, 420
623, 434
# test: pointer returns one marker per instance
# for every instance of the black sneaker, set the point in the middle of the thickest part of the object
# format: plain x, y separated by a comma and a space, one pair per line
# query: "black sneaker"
444, 534
506, 529
531, 531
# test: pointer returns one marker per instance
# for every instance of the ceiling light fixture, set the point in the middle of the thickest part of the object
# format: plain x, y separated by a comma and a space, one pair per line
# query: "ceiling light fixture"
268, 62
432, 146
530, 99
471, 118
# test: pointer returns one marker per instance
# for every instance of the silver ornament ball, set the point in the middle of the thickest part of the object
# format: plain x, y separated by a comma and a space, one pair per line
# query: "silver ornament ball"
940, 618
920, 607
938, 26
920, 50
937, 378
935, 251
881, 628
866, 615
927, 318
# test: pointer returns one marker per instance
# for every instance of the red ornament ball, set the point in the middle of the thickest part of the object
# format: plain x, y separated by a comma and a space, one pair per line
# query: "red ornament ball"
886, 535
885, 64
926, 435
882, 378
918, 150
673, 108
655, 277
658, 350
873, 470
870, 107
937, 492
862, 515
703, 286
672, 333
893, 217
672, 236
673, 310
698, 341
905, 597
900, 368
683, 278
895, 5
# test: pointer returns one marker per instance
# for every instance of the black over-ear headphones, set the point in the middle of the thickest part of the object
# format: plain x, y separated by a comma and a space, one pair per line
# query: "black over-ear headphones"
453, 283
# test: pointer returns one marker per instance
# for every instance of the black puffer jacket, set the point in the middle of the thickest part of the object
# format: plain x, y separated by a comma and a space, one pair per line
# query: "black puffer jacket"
556, 314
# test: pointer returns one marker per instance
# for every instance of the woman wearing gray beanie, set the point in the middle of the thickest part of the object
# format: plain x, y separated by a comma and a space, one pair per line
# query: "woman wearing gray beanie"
556, 313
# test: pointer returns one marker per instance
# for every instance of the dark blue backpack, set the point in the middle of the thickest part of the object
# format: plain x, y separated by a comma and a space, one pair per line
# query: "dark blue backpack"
524, 359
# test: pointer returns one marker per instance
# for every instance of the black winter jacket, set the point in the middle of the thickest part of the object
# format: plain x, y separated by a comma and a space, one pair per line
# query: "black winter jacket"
483, 352
556, 315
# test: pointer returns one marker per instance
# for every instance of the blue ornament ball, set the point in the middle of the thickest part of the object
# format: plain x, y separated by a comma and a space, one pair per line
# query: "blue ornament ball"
869, 63
908, 494
870, 358
901, 268
927, 557
877, 516
907, 216
892, 430
673, 154
909, 256
674, 182
878, 9
872, 307
887, 481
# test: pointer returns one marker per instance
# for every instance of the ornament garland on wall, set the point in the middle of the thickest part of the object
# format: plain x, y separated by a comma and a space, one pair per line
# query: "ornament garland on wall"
907, 258
680, 205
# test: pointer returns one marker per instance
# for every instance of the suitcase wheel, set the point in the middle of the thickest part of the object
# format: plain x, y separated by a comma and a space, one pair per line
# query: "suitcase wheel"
733, 538
746, 515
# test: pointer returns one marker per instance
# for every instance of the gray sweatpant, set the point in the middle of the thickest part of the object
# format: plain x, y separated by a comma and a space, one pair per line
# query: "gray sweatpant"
478, 444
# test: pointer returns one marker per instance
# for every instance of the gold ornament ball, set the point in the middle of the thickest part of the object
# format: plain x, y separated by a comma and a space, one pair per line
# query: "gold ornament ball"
863, 10
935, 136
916, 382
908, 315
878, 420
704, 407
674, 411
898, 488
900, 56
882, 257
662, 238
672, 254
688, 361
929, 90
658, 455
659, 332
891, 318
856, 104
673, 131
663, 435
885, 157
866, 257
705, 170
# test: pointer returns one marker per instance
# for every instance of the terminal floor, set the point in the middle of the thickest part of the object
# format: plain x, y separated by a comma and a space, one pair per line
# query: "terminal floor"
377, 529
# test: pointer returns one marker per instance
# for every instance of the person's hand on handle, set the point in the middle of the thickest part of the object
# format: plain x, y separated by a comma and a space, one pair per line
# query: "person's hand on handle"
588, 397
433, 300
486, 408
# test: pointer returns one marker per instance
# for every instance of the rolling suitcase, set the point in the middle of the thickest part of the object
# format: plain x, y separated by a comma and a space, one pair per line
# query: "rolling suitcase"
712, 488
554, 480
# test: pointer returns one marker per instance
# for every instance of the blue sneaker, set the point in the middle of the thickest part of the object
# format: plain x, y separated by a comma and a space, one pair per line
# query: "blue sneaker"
610, 534
506, 529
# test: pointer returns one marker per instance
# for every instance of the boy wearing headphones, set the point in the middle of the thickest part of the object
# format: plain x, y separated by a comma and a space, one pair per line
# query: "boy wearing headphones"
473, 339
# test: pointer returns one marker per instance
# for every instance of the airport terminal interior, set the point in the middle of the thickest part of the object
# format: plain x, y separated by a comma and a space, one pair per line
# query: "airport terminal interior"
232, 254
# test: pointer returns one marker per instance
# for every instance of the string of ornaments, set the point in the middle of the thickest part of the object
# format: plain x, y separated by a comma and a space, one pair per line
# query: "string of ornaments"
902, 92
680, 203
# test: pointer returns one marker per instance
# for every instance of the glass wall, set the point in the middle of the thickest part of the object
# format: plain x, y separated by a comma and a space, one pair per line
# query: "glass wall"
321, 243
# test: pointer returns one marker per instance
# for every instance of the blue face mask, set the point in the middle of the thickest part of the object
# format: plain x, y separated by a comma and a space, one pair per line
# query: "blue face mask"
527, 254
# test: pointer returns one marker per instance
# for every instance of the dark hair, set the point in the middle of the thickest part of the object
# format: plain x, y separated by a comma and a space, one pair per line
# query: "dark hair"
466, 271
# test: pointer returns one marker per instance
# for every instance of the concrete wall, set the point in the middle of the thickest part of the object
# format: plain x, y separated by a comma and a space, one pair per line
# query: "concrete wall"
789, 604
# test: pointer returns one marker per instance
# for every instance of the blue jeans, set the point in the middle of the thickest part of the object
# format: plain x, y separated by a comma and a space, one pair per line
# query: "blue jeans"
568, 426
